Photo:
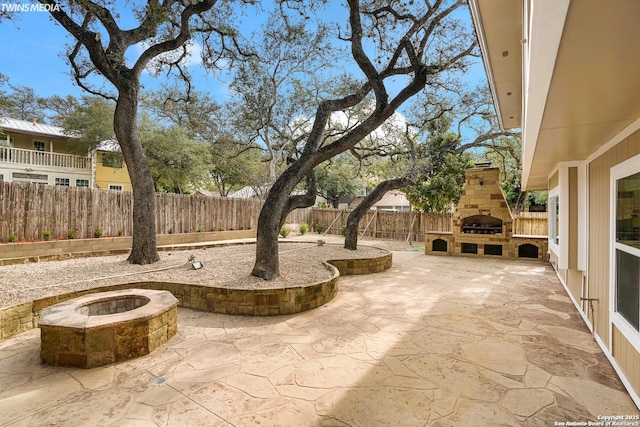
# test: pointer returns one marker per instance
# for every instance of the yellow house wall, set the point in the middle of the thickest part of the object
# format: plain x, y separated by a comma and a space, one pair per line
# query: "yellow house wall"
599, 246
25, 142
107, 175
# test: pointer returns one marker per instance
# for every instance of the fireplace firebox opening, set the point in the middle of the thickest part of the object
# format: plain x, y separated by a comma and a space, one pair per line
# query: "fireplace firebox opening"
469, 248
528, 250
493, 250
439, 245
481, 224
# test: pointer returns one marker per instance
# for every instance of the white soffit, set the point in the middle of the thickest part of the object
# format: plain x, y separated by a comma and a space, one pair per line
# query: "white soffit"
546, 24
499, 28
594, 90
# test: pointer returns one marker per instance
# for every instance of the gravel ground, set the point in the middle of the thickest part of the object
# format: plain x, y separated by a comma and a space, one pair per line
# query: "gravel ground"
226, 266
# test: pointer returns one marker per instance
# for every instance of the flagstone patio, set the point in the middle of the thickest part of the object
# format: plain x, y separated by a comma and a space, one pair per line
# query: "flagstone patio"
433, 341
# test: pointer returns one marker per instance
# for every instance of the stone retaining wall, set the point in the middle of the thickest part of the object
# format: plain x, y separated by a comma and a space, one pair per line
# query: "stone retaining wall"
55, 250
250, 302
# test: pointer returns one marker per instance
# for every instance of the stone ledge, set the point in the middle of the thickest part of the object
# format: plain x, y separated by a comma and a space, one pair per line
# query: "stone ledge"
56, 250
126, 324
250, 302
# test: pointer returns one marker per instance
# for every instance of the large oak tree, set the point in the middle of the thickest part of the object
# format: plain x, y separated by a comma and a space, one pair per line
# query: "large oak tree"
399, 49
105, 48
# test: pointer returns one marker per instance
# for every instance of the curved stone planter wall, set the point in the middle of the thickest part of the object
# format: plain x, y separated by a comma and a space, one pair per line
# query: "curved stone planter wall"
251, 302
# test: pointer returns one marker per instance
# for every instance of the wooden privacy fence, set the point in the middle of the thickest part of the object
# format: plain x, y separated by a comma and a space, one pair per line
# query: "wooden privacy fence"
398, 225
531, 224
26, 210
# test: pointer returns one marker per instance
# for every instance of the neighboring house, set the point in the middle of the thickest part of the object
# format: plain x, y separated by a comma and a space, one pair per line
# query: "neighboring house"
40, 153
568, 73
110, 170
206, 193
392, 201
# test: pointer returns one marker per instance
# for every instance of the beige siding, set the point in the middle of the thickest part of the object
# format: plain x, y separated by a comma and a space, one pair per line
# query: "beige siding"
573, 218
553, 181
627, 358
574, 283
599, 246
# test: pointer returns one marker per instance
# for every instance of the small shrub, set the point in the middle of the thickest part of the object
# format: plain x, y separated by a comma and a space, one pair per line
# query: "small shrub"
199, 230
343, 230
304, 227
46, 234
121, 232
284, 231
170, 231
319, 228
72, 234
221, 229
322, 205
12, 238
241, 227
97, 232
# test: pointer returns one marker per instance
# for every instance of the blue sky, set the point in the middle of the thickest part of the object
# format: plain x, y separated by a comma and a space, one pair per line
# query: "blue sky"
34, 45
34, 57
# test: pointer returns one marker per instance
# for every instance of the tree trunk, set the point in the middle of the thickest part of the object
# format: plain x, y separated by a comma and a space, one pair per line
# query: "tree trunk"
351, 232
143, 250
273, 214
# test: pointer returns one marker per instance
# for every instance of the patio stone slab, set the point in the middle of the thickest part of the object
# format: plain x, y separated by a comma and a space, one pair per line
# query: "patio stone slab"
431, 342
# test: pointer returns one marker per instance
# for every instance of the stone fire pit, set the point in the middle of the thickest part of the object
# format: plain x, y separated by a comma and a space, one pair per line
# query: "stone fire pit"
107, 327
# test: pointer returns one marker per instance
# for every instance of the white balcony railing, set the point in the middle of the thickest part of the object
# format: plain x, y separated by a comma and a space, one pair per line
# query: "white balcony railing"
43, 158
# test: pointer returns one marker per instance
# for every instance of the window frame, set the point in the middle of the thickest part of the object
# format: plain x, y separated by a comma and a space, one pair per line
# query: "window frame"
120, 187
622, 170
113, 160
44, 146
57, 179
554, 220
84, 180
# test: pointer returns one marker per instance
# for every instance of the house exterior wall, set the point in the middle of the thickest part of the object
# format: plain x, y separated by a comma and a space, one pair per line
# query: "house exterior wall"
106, 175
56, 163
622, 351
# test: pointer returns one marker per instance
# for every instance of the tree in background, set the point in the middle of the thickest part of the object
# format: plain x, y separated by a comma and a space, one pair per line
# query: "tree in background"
177, 163
89, 122
161, 35
276, 88
398, 49
21, 102
339, 177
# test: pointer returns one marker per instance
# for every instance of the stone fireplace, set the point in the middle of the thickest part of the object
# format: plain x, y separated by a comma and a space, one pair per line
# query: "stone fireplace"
482, 223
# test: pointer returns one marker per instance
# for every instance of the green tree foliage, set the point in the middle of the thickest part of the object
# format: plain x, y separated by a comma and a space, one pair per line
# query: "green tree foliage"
338, 177
89, 122
21, 102
177, 163
442, 186
234, 166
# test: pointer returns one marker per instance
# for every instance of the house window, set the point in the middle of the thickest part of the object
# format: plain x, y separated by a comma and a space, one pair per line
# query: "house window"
1, 177
627, 248
62, 181
115, 187
38, 146
112, 160
82, 182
